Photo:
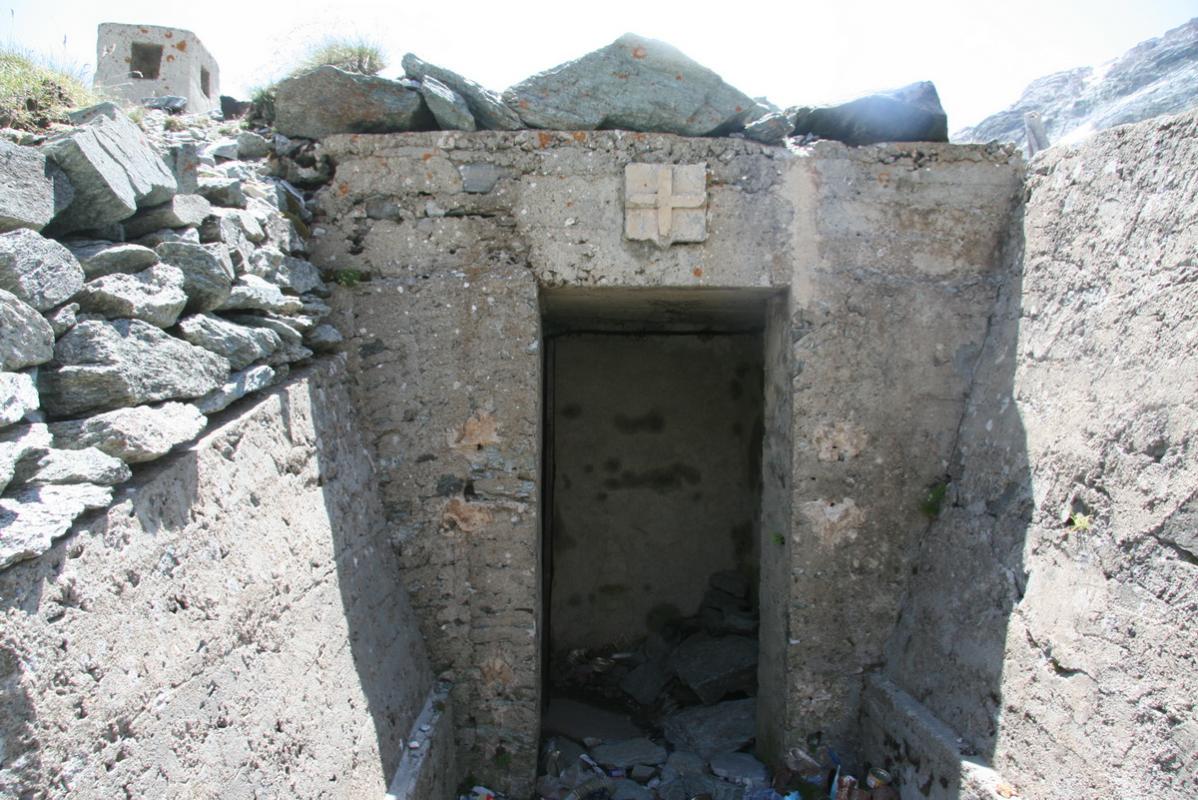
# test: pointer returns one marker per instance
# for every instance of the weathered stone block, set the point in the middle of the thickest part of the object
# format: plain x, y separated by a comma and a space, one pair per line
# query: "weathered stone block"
32, 190
329, 100
240, 344
26, 339
39, 271
134, 435
665, 203
181, 211
34, 518
486, 106
103, 365
154, 295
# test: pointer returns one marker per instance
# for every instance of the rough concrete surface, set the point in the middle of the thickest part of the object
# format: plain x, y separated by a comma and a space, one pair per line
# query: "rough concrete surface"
887, 259
1067, 536
232, 627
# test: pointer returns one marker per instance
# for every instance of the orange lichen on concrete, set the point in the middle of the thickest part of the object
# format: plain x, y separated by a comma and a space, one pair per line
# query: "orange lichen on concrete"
466, 517
477, 432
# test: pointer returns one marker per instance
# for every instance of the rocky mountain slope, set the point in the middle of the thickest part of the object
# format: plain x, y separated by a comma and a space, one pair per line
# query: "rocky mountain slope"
1158, 76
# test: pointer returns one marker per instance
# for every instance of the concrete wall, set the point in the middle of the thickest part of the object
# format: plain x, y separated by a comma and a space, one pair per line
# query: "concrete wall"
656, 471
183, 58
1061, 648
233, 627
891, 255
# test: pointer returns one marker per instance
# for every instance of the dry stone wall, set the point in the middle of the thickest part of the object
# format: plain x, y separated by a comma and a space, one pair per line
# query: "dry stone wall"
1051, 623
232, 627
146, 281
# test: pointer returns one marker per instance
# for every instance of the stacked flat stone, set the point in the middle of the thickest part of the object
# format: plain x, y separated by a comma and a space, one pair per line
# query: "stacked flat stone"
143, 287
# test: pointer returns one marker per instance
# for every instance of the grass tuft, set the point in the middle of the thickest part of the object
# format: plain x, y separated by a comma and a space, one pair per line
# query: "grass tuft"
351, 55
36, 93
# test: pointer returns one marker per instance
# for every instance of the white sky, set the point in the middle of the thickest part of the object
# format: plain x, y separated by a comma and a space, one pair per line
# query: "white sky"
979, 54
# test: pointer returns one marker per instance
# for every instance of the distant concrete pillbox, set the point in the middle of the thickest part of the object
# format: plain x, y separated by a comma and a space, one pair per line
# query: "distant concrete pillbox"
140, 61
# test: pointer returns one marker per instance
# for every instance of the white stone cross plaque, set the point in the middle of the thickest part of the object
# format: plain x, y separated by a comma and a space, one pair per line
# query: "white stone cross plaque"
665, 203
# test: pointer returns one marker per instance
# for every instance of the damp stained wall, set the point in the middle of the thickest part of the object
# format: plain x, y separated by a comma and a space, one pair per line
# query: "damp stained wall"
656, 457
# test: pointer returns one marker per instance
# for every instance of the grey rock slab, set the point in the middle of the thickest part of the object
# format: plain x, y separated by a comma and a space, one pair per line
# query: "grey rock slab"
17, 442
102, 365
288, 272
184, 161
479, 178
323, 337
635, 84
449, 108
89, 465
289, 331
113, 169
685, 763
154, 295
207, 276
645, 681
134, 435
31, 521
38, 270
910, 114
26, 339
487, 107
221, 191
155, 238
222, 148
289, 353
710, 730
238, 386
18, 396
100, 257
252, 146
253, 293
624, 789
773, 128
240, 344
740, 768
62, 318
328, 100
710, 786
32, 189
714, 666
628, 752
181, 211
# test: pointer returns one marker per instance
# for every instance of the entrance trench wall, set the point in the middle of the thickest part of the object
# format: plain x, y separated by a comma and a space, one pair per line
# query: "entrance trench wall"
888, 261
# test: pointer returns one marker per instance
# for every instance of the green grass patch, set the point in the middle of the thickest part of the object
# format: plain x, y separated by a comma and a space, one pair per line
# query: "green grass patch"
933, 501
35, 92
352, 55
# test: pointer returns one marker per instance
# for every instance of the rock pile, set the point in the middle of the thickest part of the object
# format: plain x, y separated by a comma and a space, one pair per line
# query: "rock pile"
144, 285
634, 84
684, 710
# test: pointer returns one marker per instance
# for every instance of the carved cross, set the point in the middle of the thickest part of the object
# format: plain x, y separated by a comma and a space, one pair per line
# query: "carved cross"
665, 203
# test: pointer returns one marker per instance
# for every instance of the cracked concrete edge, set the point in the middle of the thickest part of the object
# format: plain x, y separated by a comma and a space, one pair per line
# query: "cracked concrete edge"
429, 770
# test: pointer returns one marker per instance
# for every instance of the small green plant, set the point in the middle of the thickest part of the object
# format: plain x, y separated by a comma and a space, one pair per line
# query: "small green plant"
502, 759
778, 538
352, 55
933, 501
348, 278
172, 124
1080, 521
35, 92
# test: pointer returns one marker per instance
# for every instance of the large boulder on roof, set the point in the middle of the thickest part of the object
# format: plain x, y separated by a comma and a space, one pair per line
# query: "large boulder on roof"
328, 100
635, 84
910, 114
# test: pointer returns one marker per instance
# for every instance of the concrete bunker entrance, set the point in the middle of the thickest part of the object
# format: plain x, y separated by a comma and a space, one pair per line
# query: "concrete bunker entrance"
655, 414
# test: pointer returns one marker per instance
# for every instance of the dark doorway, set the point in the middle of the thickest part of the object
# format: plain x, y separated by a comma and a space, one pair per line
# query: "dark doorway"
653, 437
